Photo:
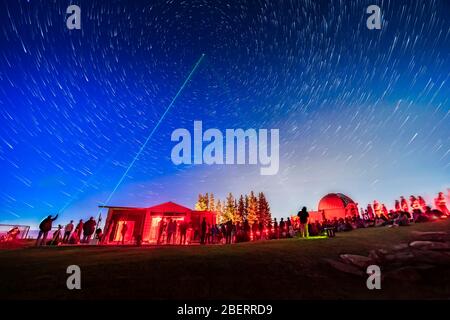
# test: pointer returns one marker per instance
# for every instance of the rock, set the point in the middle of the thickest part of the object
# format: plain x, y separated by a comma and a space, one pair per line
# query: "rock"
344, 267
402, 246
431, 236
401, 256
378, 255
430, 245
357, 260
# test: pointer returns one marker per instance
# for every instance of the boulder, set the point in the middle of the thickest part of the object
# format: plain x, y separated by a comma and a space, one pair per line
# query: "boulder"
430, 245
357, 260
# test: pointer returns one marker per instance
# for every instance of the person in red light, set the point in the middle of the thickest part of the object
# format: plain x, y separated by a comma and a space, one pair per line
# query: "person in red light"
384, 210
303, 216
397, 206
123, 232
422, 203
161, 228
414, 203
275, 228
377, 208
203, 234
183, 229
441, 203
404, 204
171, 227
88, 229
44, 228
370, 212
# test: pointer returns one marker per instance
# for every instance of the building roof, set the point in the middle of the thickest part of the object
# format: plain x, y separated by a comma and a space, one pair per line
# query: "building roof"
334, 201
169, 207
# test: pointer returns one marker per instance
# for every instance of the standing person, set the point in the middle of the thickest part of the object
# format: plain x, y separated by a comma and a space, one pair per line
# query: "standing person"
269, 229
422, 203
79, 229
261, 230
384, 210
282, 228
370, 212
203, 233
183, 229
56, 237
303, 216
404, 204
88, 229
123, 232
275, 228
67, 231
377, 208
161, 228
229, 229
44, 227
170, 230
397, 206
441, 204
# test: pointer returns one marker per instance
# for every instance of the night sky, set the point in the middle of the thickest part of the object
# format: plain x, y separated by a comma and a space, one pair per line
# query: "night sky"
362, 112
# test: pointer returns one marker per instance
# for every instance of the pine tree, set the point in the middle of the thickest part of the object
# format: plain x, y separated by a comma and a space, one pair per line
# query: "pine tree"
201, 203
212, 204
219, 210
229, 210
252, 214
206, 201
241, 208
264, 214
246, 207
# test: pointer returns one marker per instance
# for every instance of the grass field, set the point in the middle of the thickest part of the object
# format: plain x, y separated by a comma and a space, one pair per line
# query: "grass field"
282, 269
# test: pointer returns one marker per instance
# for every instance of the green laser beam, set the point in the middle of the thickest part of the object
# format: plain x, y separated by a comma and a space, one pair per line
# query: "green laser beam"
154, 129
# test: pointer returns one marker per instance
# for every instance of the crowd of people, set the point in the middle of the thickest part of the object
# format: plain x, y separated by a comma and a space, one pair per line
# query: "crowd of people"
81, 233
171, 231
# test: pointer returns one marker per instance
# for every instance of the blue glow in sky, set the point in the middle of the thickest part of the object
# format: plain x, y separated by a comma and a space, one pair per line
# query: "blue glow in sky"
362, 112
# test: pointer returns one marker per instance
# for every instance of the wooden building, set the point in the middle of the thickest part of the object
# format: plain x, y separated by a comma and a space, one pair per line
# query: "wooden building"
144, 222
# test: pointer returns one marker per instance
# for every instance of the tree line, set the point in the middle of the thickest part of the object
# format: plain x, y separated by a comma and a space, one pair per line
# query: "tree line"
247, 207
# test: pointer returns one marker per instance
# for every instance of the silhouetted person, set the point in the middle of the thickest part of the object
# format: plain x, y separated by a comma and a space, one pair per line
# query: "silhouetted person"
282, 228
404, 204
161, 228
67, 231
441, 204
123, 232
303, 216
261, 230
397, 206
88, 229
229, 229
275, 228
171, 229
44, 227
203, 233
79, 229
183, 229
56, 237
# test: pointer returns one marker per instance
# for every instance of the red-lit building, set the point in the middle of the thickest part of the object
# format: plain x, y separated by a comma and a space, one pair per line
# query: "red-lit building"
144, 222
334, 205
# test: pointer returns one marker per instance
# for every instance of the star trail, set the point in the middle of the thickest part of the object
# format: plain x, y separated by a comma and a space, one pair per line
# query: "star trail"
362, 112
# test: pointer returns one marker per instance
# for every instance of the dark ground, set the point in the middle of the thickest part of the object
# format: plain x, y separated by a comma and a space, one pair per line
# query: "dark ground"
282, 269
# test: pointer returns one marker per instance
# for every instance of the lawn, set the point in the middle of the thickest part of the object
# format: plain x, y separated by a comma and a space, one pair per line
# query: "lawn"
277, 269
